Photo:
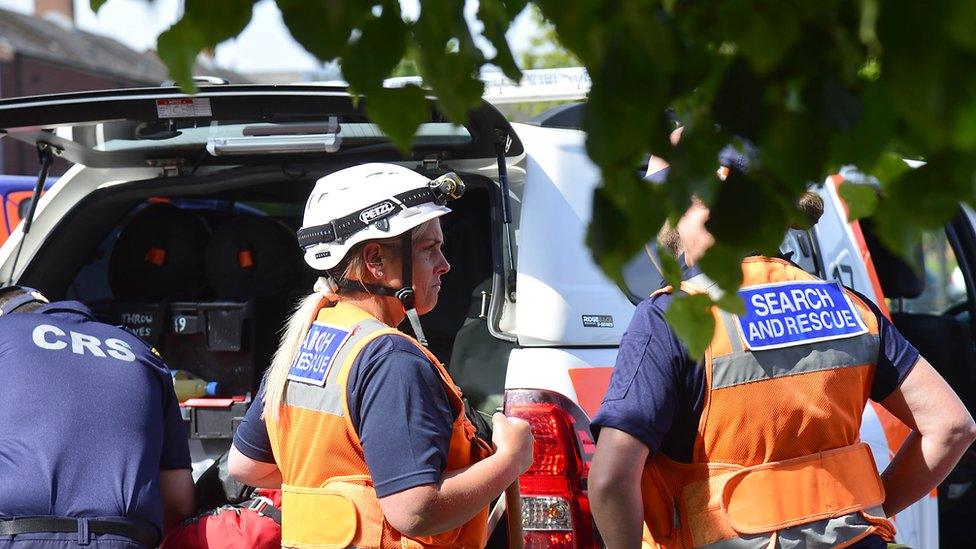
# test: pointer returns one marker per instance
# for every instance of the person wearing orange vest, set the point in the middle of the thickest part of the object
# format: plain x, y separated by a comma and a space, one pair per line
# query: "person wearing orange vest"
359, 424
756, 443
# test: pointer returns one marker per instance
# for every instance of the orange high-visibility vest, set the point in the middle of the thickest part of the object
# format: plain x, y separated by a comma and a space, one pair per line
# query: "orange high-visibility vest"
777, 460
327, 493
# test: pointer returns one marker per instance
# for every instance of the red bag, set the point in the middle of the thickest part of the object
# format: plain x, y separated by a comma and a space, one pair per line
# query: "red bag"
255, 523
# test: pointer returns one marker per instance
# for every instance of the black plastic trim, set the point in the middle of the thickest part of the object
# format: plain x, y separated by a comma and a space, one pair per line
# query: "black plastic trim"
31, 119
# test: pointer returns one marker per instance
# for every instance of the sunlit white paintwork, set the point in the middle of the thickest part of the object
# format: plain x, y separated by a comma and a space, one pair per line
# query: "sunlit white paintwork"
558, 282
842, 258
56, 202
918, 526
548, 368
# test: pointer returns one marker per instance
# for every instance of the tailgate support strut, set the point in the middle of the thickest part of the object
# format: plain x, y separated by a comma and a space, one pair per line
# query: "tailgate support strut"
502, 142
45, 156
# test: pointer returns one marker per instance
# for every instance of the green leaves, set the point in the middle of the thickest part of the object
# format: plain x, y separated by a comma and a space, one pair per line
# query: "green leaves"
815, 86
203, 25
324, 27
374, 55
872, 130
691, 318
758, 42
909, 205
377, 51
399, 111
861, 200
371, 39
448, 58
732, 303
496, 16
672, 271
629, 212
97, 5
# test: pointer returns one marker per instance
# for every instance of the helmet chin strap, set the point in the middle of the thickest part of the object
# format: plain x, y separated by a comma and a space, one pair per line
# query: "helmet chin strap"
405, 294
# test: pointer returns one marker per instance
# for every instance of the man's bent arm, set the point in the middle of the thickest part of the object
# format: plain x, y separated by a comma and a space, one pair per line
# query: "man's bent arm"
177, 491
615, 488
943, 431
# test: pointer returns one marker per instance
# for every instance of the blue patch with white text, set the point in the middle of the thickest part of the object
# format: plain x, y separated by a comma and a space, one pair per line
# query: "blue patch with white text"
312, 361
785, 314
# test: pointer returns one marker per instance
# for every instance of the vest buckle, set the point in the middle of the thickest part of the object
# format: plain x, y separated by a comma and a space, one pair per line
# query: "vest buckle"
259, 503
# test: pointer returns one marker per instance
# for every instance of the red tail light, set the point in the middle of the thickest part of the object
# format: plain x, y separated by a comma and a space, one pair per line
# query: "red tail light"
549, 540
555, 508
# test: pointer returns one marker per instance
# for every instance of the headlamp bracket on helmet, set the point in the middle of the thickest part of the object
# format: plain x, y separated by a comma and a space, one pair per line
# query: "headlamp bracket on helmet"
440, 190
378, 214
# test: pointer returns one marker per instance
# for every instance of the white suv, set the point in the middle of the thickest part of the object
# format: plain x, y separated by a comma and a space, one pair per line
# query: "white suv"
177, 221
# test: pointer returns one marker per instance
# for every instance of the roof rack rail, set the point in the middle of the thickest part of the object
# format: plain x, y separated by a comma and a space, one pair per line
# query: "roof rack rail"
200, 80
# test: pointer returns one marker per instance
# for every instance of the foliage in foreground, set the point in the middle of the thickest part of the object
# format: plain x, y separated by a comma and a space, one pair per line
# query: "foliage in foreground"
813, 85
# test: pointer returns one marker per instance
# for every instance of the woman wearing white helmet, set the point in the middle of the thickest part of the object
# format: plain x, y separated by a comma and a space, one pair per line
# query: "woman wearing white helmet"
360, 425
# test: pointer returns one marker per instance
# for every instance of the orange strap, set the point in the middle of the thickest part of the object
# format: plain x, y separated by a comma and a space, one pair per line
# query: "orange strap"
156, 256
786, 493
245, 259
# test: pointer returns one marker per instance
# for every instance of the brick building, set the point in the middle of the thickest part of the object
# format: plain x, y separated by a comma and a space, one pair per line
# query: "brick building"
46, 53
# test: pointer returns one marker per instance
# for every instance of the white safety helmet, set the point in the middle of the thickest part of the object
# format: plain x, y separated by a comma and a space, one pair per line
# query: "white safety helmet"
369, 202
373, 202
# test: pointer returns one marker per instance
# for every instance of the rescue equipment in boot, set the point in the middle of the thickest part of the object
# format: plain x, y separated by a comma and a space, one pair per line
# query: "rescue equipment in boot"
190, 386
159, 255
255, 523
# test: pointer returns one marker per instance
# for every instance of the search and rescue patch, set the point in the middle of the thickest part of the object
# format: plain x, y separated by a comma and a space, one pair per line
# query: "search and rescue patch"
314, 357
795, 313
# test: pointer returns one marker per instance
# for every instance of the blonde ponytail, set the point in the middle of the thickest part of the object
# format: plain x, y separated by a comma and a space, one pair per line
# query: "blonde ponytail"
294, 334
301, 321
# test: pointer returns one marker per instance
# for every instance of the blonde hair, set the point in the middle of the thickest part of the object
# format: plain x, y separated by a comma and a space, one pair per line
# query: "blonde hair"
352, 268
294, 334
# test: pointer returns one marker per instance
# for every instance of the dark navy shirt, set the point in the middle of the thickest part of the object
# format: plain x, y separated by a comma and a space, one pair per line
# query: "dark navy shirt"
657, 388
88, 418
399, 408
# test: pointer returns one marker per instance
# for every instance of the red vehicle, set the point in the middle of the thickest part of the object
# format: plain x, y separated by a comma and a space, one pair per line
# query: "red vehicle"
15, 191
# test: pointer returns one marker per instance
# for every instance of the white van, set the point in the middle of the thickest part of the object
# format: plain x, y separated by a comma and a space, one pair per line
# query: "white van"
177, 221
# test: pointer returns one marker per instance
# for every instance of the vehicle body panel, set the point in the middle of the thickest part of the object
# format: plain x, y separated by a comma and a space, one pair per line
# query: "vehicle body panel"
567, 316
558, 282
70, 189
552, 369
14, 190
82, 125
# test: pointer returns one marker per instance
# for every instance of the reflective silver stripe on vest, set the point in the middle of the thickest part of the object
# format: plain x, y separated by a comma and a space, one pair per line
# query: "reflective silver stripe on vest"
328, 398
748, 366
822, 534
756, 541
728, 320
707, 284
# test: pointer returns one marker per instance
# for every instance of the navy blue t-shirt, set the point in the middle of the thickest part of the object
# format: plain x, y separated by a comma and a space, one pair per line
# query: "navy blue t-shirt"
88, 418
657, 388
399, 408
